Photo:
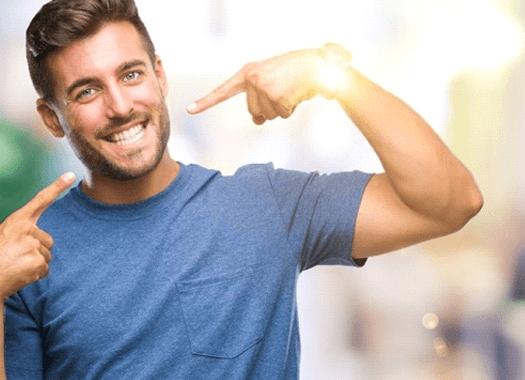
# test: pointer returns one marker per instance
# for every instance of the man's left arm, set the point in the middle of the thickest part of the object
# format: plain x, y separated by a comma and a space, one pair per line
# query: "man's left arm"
425, 191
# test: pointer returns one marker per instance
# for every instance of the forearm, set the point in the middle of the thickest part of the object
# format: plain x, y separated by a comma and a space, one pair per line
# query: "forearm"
425, 175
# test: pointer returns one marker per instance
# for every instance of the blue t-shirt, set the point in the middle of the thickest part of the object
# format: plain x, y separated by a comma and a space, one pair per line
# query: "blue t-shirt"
197, 282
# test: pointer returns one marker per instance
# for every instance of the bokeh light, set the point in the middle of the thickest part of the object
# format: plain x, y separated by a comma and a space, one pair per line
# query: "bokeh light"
440, 347
430, 321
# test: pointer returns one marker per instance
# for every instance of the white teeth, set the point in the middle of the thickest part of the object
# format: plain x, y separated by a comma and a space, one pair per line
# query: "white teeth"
128, 137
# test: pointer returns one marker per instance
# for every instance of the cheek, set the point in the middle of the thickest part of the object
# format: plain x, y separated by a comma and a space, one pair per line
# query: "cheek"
86, 120
148, 96
148, 92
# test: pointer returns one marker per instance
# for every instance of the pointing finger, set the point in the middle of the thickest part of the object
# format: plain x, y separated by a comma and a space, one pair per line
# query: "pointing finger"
43, 199
225, 91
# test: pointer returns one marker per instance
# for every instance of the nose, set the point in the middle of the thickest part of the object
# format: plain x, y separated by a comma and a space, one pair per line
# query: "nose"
118, 104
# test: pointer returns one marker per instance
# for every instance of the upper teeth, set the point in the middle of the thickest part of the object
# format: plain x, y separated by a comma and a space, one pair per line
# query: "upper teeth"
127, 137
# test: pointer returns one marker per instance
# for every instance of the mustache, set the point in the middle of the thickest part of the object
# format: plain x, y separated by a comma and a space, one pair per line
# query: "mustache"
118, 122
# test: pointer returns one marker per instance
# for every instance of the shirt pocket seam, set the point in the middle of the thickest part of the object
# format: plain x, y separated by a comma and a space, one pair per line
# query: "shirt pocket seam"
221, 319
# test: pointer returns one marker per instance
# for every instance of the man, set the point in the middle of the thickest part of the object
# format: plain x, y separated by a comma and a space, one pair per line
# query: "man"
169, 271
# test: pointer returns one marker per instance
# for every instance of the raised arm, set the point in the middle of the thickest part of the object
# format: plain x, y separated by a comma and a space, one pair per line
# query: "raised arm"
25, 249
425, 191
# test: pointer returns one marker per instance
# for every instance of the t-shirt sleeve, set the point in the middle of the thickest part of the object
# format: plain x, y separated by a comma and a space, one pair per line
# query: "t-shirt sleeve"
23, 346
320, 212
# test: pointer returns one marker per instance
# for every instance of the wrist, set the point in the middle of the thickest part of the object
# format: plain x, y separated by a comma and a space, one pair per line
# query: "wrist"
334, 75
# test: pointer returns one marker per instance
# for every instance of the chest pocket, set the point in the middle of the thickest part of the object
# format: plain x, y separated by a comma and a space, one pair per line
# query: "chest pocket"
225, 316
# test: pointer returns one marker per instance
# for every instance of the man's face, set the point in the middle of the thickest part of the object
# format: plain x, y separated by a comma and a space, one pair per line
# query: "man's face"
110, 102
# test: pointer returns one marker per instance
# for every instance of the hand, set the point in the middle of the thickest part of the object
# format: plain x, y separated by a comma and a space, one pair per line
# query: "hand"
24, 248
276, 86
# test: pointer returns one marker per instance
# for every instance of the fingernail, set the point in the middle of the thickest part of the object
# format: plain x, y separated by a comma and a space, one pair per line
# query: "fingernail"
192, 107
68, 177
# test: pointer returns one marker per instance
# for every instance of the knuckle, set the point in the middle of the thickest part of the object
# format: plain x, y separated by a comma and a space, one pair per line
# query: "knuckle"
286, 115
32, 244
45, 272
29, 241
252, 77
281, 99
5, 231
26, 227
51, 241
40, 264
275, 97
249, 67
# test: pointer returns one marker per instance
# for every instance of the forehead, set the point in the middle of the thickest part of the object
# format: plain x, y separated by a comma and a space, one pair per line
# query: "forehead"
97, 55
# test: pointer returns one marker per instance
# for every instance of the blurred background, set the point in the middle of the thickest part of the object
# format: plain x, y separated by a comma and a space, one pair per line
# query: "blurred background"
447, 309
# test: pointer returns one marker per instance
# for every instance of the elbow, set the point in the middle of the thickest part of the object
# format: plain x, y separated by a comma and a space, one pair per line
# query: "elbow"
469, 205
476, 203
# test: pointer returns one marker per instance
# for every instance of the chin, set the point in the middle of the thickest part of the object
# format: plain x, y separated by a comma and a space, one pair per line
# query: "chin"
118, 173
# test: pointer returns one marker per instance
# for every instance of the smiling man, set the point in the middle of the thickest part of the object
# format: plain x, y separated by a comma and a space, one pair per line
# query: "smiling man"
163, 270
109, 100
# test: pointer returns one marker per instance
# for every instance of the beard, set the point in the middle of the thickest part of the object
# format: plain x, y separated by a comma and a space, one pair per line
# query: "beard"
98, 164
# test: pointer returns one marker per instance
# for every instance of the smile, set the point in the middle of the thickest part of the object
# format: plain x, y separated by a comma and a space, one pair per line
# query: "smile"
128, 137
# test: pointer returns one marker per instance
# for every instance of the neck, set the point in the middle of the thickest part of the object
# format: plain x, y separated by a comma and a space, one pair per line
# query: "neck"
111, 191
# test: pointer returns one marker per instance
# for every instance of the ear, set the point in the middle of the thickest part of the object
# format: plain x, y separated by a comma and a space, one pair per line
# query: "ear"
161, 76
49, 117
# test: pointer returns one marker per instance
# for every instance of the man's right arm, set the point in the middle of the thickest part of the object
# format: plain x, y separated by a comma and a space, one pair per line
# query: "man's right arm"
25, 250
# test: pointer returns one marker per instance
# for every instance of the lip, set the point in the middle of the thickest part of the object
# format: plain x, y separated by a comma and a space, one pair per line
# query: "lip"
127, 151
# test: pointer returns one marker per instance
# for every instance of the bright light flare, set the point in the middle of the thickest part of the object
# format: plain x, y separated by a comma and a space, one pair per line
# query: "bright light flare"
334, 78
334, 75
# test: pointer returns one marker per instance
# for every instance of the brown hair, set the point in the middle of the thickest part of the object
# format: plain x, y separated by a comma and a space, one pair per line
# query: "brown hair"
61, 22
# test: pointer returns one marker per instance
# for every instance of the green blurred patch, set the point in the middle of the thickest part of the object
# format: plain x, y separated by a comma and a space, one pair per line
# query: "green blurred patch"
24, 163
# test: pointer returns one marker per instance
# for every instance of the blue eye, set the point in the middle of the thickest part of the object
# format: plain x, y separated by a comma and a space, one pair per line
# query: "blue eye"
85, 93
131, 76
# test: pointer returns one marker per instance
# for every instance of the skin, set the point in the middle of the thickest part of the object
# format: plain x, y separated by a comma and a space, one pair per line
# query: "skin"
25, 248
425, 191
120, 89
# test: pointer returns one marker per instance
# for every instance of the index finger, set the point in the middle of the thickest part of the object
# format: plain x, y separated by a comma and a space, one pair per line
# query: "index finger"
233, 86
45, 197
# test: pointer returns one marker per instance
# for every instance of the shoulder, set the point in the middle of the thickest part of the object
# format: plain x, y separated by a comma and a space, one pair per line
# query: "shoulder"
254, 170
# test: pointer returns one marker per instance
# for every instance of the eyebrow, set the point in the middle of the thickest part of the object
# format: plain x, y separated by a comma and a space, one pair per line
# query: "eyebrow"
88, 80
79, 83
129, 65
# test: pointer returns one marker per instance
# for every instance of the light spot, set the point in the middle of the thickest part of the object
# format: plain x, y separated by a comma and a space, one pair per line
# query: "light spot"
430, 321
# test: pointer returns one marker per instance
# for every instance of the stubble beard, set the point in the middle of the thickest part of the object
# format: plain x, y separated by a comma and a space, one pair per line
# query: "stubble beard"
100, 165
